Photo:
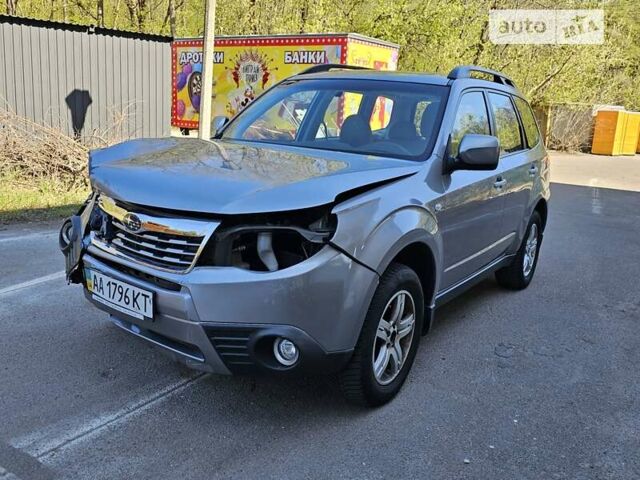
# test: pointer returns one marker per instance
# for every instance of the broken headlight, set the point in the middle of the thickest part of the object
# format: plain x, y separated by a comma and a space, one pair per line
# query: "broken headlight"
269, 242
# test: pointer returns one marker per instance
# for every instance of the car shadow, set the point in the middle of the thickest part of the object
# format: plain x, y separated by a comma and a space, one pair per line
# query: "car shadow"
451, 314
319, 395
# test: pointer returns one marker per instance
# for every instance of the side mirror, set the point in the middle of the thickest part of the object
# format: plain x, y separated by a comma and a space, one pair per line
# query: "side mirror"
217, 123
476, 152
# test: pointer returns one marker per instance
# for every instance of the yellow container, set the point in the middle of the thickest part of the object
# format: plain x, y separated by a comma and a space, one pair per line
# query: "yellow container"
631, 133
608, 132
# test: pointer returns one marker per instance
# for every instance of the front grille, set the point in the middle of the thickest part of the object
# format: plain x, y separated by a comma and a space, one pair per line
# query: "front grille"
159, 282
232, 346
169, 251
164, 242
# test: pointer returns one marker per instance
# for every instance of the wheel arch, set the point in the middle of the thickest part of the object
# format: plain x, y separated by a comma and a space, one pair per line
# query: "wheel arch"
541, 208
419, 257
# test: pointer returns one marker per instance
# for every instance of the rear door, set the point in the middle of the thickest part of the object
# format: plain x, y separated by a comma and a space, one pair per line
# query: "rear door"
470, 212
515, 164
535, 151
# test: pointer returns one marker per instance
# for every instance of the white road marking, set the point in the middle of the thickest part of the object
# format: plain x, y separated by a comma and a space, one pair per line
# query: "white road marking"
48, 441
31, 283
29, 236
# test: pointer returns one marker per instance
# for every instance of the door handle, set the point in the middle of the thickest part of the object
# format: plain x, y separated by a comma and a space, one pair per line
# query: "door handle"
533, 170
499, 183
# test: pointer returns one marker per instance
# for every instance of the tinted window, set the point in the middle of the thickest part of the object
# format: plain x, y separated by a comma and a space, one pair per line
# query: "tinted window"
507, 126
471, 117
371, 117
528, 122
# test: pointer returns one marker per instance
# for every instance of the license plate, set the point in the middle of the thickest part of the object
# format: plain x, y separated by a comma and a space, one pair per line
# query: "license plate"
119, 295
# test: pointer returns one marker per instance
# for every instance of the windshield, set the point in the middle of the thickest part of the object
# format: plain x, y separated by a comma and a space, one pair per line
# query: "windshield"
374, 117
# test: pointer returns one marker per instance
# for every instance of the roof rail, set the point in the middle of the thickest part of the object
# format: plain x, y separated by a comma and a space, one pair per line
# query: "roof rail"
464, 71
325, 67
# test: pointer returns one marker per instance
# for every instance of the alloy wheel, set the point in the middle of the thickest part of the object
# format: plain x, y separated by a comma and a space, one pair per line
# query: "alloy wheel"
393, 337
530, 250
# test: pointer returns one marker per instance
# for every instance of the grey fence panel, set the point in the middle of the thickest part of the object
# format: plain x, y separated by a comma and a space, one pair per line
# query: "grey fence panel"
137, 72
88, 82
18, 72
3, 61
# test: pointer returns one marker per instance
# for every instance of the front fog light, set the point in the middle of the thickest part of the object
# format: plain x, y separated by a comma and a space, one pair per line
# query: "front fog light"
285, 351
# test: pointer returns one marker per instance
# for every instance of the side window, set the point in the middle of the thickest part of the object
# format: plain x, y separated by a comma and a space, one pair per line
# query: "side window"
507, 126
528, 122
340, 107
281, 121
472, 117
381, 113
421, 106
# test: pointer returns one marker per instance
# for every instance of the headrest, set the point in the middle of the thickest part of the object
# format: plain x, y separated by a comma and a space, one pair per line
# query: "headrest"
355, 131
403, 130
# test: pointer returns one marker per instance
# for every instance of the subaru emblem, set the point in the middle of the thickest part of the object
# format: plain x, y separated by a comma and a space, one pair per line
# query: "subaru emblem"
132, 222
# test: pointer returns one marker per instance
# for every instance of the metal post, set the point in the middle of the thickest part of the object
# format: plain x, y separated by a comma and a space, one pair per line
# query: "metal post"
204, 131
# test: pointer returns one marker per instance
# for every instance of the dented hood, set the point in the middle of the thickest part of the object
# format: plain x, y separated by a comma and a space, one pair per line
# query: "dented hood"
222, 177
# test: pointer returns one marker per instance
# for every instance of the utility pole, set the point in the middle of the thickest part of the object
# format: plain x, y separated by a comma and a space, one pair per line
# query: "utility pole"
100, 15
204, 131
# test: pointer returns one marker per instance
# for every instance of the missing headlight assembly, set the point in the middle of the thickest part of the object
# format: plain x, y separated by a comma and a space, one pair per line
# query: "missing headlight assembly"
270, 242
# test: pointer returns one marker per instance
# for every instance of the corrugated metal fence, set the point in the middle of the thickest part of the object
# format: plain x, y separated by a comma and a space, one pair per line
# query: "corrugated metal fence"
89, 82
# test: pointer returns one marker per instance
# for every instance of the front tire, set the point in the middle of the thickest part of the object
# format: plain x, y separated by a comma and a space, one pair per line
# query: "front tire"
519, 274
388, 341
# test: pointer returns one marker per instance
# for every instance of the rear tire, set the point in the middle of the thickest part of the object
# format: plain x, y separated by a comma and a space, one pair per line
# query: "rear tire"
374, 374
519, 274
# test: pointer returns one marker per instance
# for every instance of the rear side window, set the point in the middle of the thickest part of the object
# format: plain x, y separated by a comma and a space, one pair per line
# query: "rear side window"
421, 106
528, 122
471, 117
507, 125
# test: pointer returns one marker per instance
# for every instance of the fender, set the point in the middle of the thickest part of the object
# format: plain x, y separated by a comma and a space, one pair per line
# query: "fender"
389, 236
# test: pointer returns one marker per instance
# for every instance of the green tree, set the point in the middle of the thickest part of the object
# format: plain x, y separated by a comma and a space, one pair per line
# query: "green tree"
435, 35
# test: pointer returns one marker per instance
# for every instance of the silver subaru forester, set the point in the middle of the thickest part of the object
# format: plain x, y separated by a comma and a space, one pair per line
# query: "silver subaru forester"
319, 229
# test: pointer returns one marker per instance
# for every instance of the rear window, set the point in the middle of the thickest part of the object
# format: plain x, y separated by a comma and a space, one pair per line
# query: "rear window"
528, 122
373, 117
507, 125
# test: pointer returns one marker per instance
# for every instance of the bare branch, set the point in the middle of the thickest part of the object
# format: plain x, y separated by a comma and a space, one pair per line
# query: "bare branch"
549, 77
85, 10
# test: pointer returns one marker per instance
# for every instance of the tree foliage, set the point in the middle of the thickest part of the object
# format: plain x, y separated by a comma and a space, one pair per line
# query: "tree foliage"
434, 35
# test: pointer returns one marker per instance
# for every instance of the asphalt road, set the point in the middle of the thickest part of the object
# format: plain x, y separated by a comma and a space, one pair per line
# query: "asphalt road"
538, 384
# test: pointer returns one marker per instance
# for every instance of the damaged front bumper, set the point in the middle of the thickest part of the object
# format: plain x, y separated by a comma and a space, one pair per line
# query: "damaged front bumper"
72, 239
226, 319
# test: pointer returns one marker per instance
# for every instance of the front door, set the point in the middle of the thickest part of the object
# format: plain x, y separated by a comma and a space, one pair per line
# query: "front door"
470, 213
